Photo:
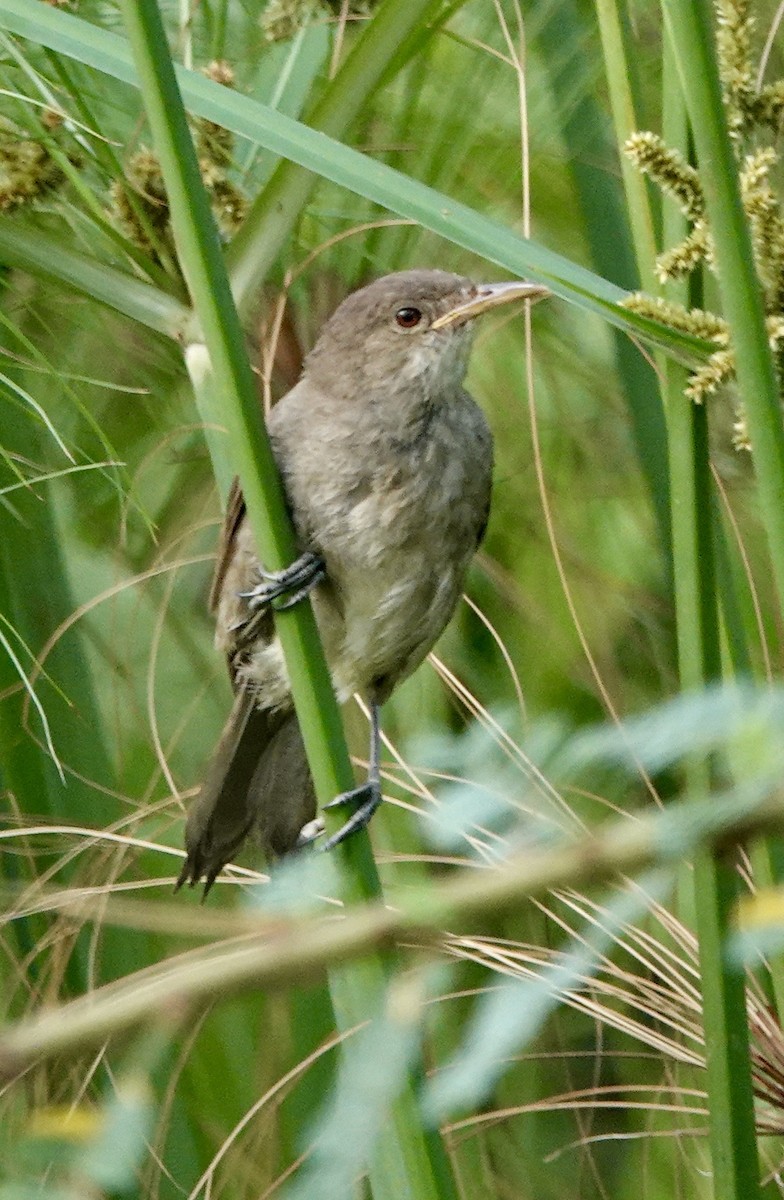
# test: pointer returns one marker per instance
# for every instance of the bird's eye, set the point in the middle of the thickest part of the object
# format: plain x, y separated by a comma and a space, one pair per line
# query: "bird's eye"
407, 318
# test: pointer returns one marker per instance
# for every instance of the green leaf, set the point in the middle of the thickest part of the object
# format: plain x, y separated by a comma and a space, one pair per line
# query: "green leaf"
357, 172
371, 1077
41, 254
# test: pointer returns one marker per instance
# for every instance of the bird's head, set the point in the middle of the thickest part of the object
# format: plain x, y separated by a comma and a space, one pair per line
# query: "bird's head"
413, 326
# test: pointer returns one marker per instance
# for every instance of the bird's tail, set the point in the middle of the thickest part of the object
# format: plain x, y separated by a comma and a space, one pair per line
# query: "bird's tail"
257, 781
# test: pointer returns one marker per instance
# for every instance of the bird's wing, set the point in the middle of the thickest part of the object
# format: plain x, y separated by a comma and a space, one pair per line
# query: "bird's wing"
235, 511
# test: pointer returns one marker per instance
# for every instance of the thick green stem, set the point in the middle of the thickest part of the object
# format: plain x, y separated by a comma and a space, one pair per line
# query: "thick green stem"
403, 1166
202, 264
613, 28
730, 1095
690, 23
640, 381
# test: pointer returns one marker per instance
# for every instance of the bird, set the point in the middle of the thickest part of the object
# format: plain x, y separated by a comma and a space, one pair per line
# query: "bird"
386, 463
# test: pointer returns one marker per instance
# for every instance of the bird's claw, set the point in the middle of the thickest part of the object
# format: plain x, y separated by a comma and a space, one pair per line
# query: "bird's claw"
310, 833
365, 799
280, 590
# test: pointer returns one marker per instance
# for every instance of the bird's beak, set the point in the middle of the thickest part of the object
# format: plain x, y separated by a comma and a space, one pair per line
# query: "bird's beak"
490, 295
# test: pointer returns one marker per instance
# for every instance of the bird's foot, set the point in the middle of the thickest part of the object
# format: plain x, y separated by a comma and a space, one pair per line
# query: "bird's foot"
283, 589
365, 799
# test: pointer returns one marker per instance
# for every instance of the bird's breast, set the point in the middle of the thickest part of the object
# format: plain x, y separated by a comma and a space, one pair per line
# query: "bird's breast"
397, 556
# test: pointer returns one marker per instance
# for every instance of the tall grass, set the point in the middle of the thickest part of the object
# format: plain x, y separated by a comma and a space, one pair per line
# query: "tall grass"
631, 554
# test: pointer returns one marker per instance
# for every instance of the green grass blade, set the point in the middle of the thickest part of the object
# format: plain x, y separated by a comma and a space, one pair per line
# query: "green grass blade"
691, 30
357, 172
611, 230
45, 256
400, 1165
624, 101
277, 209
715, 881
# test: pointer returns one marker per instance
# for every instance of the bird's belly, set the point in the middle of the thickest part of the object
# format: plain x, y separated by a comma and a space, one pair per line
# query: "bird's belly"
396, 537
373, 638
397, 579
389, 625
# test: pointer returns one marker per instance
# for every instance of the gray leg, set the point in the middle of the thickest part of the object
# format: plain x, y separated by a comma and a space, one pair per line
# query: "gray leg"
366, 798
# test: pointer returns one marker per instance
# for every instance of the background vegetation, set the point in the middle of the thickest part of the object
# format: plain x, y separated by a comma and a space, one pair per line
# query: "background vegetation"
558, 1042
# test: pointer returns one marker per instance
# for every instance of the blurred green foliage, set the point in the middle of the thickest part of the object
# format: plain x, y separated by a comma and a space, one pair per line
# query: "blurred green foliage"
106, 538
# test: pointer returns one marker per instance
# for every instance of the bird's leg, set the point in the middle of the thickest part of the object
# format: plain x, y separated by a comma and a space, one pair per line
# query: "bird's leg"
283, 589
365, 798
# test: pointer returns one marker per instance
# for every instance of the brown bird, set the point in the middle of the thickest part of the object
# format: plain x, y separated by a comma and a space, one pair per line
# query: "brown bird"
386, 464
